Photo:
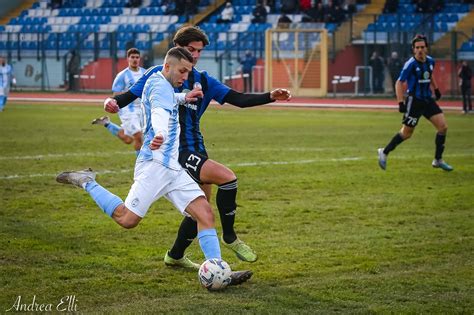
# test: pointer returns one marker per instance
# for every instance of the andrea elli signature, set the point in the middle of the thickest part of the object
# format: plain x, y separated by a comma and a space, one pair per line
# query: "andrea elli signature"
67, 303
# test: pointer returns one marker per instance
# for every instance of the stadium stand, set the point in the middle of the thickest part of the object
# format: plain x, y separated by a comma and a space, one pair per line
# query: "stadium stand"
103, 29
75, 26
406, 19
466, 52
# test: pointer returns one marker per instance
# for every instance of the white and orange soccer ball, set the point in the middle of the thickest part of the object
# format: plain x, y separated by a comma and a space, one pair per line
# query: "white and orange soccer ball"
214, 274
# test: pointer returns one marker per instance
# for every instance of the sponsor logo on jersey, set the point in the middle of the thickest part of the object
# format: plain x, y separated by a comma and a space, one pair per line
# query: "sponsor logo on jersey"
191, 106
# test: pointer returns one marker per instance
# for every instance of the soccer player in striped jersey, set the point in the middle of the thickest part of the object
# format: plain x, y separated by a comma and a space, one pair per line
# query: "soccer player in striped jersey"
157, 170
193, 155
6, 80
130, 115
417, 79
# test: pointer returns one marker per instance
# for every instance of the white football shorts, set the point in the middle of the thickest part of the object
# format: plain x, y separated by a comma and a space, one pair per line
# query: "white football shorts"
131, 122
152, 180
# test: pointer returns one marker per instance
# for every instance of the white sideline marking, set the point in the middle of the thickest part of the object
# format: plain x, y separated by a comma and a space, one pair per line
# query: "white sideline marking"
61, 155
125, 152
289, 104
17, 176
243, 164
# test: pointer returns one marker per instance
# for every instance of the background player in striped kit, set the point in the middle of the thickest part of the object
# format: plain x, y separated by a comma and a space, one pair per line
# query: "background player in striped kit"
417, 75
130, 115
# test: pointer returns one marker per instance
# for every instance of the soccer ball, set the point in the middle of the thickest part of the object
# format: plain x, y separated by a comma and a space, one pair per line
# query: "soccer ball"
214, 274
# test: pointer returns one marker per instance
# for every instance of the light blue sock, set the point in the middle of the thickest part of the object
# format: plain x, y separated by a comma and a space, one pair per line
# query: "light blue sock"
3, 100
209, 243
104, 198
113, 128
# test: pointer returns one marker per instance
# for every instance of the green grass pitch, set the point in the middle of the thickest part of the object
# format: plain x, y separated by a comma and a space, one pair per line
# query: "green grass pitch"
334, 233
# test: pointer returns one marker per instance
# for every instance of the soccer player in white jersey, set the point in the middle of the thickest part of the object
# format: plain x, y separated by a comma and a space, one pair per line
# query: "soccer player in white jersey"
131, 115
6, 79
157, 170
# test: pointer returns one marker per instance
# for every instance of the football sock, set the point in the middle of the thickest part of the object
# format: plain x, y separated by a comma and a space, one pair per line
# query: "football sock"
209, 243
113, 128
186, 234
225, 200
3, 100
107, 201
439, 141
396, 140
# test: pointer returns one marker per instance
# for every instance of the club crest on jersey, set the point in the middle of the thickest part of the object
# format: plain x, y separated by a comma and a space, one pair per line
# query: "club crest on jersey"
426, 77
135, 202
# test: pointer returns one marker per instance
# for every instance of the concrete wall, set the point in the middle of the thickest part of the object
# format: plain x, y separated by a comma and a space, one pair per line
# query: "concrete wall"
32, 73
8, 5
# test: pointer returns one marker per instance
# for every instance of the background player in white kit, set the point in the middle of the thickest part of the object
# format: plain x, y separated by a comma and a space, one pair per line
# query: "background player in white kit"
131, 115
6, 80
157, 170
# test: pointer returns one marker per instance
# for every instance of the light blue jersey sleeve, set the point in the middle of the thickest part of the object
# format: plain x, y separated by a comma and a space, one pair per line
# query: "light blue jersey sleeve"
137, 88
119, 83
159, 93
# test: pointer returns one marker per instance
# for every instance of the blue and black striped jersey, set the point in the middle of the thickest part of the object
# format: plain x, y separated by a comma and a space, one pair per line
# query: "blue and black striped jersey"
190, 114
418, 77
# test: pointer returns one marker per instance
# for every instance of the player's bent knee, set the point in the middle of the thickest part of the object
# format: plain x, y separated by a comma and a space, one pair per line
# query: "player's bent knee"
129, 223
127, 140
201, 210
128, 219
406, 133
228, 176
443, 129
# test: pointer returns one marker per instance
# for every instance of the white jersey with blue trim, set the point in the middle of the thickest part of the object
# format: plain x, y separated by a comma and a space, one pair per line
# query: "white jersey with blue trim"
158, 93
6, 73
124, 80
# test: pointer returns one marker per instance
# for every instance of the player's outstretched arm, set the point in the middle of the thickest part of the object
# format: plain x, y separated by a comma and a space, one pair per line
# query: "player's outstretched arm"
125, 98
243, 100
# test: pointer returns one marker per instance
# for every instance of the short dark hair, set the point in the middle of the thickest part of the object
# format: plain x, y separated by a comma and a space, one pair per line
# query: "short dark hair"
133, 51
179, 53
419, 38
188, 34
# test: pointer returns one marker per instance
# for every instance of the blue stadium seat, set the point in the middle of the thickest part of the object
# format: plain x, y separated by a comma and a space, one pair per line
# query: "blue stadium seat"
331, 27
105, 44
403, 8
453, 18
144, 11
88, 45
211, 46
65, 44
